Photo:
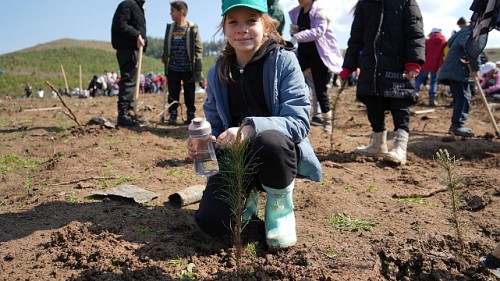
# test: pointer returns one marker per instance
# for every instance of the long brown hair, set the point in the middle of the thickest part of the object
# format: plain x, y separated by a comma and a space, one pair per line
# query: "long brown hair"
228, 54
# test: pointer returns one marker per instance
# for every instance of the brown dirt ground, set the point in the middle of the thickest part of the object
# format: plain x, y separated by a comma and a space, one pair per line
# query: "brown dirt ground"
51, 229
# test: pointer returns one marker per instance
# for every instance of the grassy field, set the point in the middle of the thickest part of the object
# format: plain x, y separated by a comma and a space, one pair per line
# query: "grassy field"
43, 62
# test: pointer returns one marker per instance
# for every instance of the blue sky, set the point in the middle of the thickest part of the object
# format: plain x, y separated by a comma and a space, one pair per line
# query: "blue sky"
26, 23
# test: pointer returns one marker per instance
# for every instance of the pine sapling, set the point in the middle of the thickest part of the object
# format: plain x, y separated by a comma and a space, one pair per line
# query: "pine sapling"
237, 168
454, 183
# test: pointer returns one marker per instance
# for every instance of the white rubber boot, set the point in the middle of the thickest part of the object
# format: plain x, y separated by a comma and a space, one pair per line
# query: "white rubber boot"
280, 218
327, 122
398, 153
377, 146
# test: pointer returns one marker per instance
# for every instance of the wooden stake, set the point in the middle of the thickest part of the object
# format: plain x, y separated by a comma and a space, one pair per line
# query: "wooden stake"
42, 109
138, 81
64, 76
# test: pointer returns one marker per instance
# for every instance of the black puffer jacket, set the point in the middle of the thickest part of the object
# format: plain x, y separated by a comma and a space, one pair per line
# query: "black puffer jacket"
385, 35
128, 23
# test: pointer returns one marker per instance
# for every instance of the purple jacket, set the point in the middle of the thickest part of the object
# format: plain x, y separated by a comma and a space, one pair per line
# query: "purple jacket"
322, 35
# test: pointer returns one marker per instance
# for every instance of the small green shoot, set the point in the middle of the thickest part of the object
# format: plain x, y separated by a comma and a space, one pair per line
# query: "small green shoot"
414, 200
334, 255
187, 274
344, 221
178, 261
71, 199
253, 248
346, 189
371, 188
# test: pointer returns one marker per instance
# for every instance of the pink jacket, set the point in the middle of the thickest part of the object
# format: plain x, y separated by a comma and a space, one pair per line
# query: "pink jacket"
491, 83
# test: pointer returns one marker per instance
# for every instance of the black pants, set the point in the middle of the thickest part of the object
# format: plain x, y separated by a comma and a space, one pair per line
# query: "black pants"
276, 159
376, 107
127, 60
320, 75
174, 89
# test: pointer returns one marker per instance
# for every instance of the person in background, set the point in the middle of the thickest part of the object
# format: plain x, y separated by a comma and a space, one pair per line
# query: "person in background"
128, 33
459, 71
387, 44
256, 84
434, 54
182, 56
275, 11
40, 93
490, 80
317, 49
28, 90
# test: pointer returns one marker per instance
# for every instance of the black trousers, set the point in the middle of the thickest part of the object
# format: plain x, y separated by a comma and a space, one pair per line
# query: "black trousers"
376, 107
127, 60
320, 75
276, 159
174, 89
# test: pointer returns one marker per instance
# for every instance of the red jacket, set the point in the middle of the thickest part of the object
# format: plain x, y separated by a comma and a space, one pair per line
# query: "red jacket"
434, 47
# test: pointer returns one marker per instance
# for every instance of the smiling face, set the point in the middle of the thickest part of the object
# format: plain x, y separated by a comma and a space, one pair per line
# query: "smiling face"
244, 30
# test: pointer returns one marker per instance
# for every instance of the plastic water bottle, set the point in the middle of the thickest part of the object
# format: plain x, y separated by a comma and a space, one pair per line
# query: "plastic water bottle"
205, 162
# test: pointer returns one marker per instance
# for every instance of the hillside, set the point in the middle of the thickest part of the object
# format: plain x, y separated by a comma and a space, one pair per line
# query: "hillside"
43, 62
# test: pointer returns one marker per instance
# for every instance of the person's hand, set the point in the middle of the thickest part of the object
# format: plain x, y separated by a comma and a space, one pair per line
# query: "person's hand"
412, 69
228, 137
344, 74
474, 74
192, 148
140, 41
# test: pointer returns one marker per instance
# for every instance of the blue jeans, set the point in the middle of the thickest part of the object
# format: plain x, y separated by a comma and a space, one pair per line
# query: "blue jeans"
461, 102
433, 82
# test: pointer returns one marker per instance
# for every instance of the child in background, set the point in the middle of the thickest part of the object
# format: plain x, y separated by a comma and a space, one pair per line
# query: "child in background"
257, 84
387, 44
490, 82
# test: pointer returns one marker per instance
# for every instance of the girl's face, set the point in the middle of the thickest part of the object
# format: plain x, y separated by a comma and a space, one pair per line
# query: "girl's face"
244, 30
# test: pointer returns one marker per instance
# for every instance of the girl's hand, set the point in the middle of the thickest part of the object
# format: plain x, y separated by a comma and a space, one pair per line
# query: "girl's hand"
228, 137
192, 148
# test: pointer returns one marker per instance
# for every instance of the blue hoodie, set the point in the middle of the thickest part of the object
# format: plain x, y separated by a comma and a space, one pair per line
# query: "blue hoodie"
287, 99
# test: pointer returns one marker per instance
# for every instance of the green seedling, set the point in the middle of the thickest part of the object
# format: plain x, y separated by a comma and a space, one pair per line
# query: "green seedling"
334, 255
453, 183
178, 261
371, 188
415, 200
187, 274
71, 199
344, 221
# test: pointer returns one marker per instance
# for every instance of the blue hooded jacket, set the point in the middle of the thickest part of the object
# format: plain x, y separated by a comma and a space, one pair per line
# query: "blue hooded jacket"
287, 99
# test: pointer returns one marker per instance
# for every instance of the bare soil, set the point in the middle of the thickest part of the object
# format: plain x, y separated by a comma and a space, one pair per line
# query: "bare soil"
51, 228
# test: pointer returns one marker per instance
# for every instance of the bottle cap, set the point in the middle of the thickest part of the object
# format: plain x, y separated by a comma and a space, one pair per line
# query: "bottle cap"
199, 127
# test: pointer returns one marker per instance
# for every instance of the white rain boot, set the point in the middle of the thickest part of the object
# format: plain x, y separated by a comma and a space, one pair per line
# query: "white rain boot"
377, 146
327, 122
280, 219
398, 153
251, 206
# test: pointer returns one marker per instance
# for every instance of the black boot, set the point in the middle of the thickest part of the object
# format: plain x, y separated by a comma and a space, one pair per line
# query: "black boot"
123, 119
173, 118
126, 121
190, 116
